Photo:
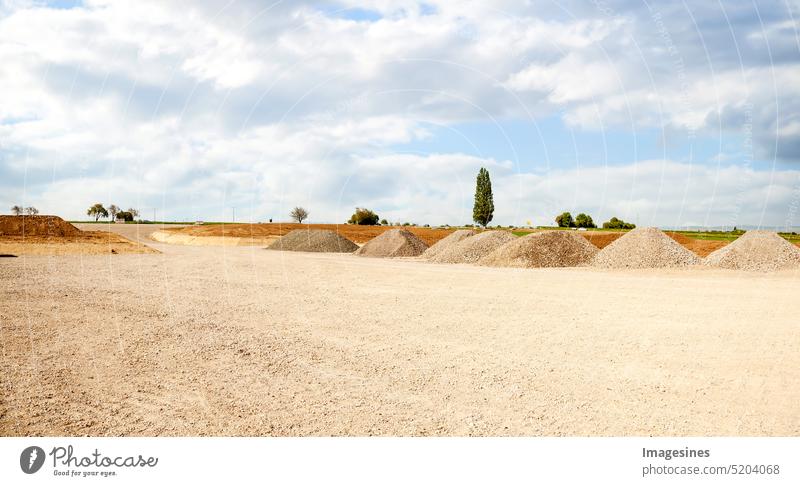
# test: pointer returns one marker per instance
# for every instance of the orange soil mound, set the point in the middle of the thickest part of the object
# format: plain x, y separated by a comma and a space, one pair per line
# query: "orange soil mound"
36, 226
356, 233
51, 235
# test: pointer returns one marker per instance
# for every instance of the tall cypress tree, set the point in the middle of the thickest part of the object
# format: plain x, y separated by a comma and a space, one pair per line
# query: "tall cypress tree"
484, 202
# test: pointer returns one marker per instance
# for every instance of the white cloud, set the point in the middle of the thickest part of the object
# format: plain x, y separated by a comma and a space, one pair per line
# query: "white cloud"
264, 104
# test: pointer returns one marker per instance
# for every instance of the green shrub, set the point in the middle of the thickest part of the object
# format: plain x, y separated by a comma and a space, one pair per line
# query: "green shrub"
584, 221
364, 216
564, 220
615, 223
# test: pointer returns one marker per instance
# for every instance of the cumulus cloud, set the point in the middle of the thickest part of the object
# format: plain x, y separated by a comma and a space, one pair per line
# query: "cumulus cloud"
194, 107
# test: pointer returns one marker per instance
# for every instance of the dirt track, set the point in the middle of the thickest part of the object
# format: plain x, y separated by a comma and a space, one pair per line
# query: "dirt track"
242, 341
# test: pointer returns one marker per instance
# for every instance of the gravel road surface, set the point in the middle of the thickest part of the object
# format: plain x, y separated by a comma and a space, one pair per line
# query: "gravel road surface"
243, 341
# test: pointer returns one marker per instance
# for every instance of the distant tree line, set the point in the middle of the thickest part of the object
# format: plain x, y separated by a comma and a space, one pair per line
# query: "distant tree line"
564, 220
19, 211
98, 211
482, 212
615, 223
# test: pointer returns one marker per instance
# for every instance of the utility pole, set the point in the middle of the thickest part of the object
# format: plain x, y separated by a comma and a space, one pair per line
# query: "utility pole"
154, 215
234, 213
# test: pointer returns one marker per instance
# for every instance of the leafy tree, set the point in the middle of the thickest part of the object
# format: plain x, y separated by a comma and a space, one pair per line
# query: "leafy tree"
364, 216
384, 222
299, 214
113, 210
584, 221
124, 216
615, 223
16, 210
98, 211
31, 211
564, 220
134, 212
483, 210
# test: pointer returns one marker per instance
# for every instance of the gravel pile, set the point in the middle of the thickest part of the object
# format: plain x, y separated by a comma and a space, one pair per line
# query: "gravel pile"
36, 226
545, 249
323, 241
447, 242
393, 243
473, 248
645, 248
760, 251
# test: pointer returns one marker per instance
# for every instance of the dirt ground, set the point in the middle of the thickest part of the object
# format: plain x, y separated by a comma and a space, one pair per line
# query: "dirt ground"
87, 243
701, 248
243, 341
264, 233
52, 236
267, 231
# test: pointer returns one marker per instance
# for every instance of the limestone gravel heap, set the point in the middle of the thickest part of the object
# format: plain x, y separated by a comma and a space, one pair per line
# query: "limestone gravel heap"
448, 241
322, 241
473, 248
393, 243
36, 226
544, 249
645, 248
757, 250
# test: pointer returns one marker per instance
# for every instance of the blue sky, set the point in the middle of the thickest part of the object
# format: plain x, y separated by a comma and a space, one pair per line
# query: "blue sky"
670, 114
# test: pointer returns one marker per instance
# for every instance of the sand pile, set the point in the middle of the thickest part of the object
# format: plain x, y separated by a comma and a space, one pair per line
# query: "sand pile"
393, 243
545, 249
36, 226
761, 251
323, 241
645, 248
447, 242
473, 248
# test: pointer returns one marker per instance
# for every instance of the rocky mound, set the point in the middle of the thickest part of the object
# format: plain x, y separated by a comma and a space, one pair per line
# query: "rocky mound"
645, 248
545, 249
760, 251
393, 243
473, 248
36, 226
447, 242
323, 241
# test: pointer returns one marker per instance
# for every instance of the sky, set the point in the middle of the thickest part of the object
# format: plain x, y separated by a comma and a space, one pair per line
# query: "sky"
661, 113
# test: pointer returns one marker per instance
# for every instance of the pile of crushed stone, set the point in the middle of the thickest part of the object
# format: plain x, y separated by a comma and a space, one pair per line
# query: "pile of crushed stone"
393, 243
36, 226
545, 249
445, 243
473, 248
758, 250
645, 248
324, 241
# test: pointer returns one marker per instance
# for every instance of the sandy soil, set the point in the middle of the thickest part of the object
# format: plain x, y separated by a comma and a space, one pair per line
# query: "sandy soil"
243, 341
266, 232
88, 243
134, 232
